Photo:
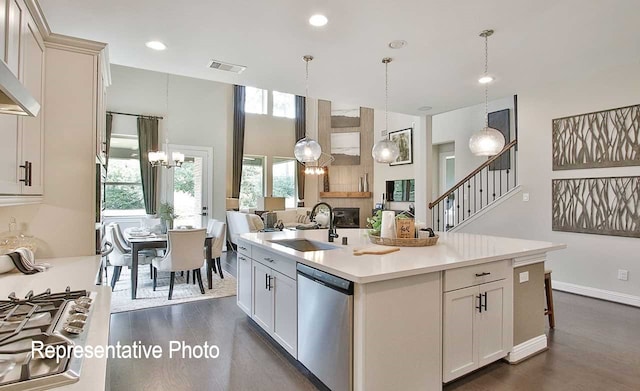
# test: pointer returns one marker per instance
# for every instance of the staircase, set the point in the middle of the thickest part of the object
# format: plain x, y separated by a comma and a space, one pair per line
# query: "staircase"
483, 188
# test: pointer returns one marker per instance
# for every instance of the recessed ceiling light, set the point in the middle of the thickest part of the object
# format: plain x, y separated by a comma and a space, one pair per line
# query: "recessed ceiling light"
156, 45
318, 20
485, 79
397, 44
425, 108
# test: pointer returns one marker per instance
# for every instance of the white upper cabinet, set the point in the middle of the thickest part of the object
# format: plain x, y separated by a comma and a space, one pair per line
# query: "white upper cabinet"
15, 18
32, 127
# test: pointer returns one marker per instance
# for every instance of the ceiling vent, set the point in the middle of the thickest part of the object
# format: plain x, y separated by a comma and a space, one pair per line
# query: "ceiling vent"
225, 66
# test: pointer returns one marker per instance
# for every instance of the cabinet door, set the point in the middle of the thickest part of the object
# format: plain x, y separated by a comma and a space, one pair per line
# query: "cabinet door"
493, 338
3, 28
32, 127
262, 304
15, 16
244, 284
459, 333
10, 172
285, 312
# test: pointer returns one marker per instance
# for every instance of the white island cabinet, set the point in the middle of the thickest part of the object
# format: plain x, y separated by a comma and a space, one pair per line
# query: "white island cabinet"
477, 319
267, 293
421, 316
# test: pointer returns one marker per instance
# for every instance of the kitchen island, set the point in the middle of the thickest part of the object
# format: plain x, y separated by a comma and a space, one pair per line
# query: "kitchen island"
78, 273
421, 316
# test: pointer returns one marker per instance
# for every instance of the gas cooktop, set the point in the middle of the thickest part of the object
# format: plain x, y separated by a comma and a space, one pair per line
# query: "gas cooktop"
54, 322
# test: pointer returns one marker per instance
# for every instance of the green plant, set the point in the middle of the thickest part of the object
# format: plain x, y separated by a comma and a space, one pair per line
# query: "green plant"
375, 223
166, 212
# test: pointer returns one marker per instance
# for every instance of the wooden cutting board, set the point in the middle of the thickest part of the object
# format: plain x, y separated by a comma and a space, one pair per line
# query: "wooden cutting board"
376, 250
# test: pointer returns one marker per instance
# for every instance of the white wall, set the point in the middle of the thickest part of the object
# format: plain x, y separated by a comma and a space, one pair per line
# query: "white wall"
198, 113
385, 172
457, 126
589, 260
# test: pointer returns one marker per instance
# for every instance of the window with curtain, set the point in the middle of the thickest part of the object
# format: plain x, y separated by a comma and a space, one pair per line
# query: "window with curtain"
284, 180
256, 100
252, 184
284, 105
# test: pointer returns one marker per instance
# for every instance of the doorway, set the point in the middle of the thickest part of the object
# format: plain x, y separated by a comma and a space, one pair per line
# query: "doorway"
189, 187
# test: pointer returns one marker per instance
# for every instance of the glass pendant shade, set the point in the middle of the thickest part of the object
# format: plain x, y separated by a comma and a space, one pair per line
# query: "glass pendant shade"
487, 142
385, 151
307, 150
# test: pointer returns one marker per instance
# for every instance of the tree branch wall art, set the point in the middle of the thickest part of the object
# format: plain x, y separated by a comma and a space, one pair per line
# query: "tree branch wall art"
603, 206
609, 138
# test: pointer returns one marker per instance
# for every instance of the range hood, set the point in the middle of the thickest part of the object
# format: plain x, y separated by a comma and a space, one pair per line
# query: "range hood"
14, 97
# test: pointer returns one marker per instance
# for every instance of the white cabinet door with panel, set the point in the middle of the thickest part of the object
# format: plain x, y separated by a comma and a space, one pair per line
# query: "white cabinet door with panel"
493, 343
10, 172
244, 284
262, 305
459, 332
32, 127
16, 11
285, 309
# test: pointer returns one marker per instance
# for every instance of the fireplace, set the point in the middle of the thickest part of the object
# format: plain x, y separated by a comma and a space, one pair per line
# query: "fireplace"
347, 217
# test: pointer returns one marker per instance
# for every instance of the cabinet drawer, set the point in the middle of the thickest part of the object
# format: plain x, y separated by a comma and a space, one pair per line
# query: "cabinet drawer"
244, 248
476, 275
275, 261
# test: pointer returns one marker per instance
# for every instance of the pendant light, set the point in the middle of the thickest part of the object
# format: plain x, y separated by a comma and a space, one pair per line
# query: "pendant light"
307, 150
488, 141
385, 150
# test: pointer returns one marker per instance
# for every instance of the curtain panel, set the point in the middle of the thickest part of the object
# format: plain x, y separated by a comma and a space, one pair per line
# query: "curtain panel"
107, 147
238, 139
148, 141
301, 132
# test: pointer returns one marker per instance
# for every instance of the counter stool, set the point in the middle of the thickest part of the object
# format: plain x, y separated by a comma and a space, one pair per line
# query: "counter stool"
549, 293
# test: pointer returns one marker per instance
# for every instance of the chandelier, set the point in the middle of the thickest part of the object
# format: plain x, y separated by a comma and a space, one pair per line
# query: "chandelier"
160, 158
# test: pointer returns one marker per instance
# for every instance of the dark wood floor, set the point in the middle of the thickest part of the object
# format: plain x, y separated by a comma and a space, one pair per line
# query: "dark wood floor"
595, 346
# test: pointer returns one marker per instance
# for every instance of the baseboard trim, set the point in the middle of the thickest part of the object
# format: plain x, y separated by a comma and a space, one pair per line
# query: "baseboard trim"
527, 349
596, 293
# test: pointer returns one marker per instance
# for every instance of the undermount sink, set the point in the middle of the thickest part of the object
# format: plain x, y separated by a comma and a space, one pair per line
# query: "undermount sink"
304, 245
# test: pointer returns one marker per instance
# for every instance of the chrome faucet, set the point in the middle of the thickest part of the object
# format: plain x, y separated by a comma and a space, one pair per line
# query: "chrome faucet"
332, 227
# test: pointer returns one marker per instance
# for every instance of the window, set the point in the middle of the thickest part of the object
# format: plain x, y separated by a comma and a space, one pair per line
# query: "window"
255, 100
284, 180
284, 105
123, 187
252, 181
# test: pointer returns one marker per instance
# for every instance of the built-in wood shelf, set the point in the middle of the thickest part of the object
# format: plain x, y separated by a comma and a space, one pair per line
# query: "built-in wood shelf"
345, 194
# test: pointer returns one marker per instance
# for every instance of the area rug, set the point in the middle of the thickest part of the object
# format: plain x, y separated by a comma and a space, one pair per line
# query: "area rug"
182, 292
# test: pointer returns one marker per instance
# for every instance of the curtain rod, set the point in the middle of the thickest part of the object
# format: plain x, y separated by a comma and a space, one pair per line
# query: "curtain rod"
135, 115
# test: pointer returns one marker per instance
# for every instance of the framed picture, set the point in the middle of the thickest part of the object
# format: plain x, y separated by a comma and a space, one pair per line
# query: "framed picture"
345, 148
404, 139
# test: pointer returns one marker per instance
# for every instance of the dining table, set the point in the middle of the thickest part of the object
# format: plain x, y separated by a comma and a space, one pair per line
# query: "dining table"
155, 241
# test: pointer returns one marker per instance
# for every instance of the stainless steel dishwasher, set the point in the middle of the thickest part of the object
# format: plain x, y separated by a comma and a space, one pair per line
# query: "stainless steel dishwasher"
325, 327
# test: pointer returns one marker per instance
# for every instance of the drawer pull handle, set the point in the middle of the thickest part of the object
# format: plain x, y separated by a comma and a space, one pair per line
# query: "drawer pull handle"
243, 248
242, 258
269, 259
482, 274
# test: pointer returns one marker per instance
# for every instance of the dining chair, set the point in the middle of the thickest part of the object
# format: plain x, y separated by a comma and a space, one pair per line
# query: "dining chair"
184, 253
218, 232
119, 257
149, 253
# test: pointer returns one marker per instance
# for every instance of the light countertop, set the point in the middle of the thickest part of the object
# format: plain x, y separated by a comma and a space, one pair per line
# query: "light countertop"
453, 250
78, 273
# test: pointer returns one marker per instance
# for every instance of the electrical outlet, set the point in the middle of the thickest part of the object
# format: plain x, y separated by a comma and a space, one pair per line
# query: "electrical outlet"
525, 197
623, 275
524, 277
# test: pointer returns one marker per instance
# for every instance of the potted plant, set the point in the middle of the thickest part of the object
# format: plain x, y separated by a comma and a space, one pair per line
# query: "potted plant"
167, 215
